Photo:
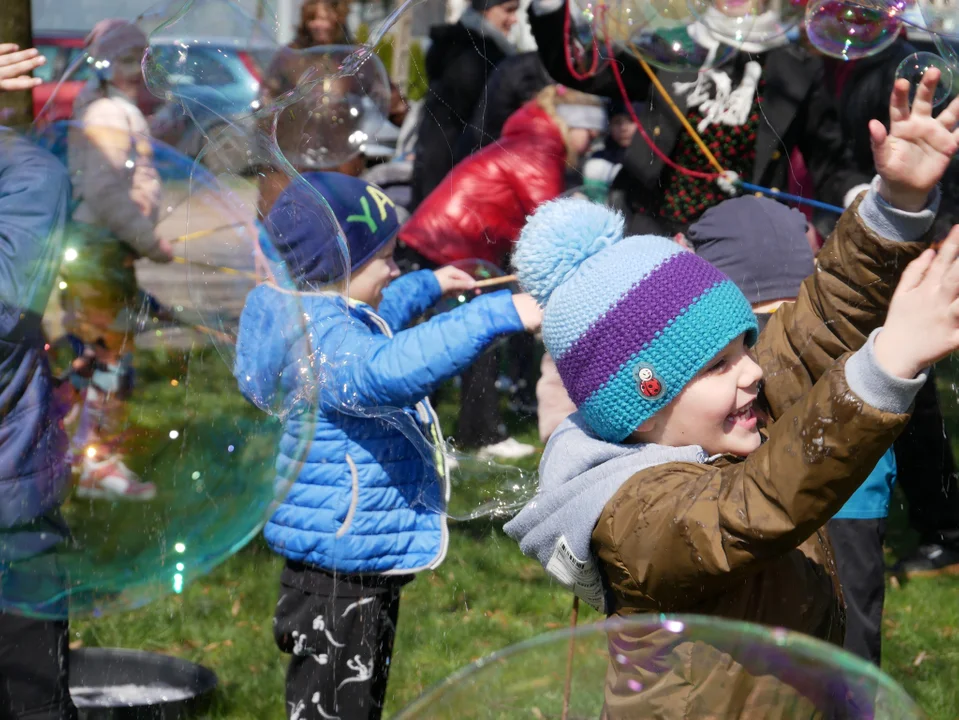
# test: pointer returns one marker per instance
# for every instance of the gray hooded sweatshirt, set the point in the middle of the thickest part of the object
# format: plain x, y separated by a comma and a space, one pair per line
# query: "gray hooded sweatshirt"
578, 475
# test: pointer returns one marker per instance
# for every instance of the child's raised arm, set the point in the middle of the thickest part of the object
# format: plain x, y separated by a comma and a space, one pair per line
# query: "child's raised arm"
858, 269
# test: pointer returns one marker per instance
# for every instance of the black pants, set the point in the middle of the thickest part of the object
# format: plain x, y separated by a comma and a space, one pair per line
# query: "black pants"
340, 632
34, 669
857, 545
926, 470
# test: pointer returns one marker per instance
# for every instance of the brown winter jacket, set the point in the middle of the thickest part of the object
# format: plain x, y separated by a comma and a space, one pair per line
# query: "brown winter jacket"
743, 538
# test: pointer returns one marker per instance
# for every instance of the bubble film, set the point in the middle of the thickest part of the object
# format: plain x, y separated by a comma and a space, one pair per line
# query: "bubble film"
636, 662
851, 31
676, 35
914, 67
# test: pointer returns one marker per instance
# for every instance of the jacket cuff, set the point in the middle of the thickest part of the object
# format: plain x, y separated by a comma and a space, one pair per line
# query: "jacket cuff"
430, 284
894, 224
876, 387
545, 7
850, 197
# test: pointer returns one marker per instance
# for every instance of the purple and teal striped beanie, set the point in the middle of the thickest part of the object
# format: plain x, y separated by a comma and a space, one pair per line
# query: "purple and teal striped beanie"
629, 321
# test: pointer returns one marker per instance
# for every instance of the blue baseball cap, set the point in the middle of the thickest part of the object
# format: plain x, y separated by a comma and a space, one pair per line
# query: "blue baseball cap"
306, 239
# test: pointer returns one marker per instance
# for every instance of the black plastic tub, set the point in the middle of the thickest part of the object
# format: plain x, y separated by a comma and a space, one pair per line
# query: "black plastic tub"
115, 684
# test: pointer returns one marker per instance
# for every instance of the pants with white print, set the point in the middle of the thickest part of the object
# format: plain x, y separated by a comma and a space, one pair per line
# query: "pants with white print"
340, 631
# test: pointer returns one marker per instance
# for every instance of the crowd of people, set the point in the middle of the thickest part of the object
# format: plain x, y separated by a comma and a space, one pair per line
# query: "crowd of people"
728, 388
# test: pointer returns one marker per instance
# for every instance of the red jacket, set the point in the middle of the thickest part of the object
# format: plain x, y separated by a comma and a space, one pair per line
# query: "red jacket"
481, 205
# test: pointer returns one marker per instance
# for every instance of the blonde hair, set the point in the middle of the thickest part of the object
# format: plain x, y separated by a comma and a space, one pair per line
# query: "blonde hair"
551, 97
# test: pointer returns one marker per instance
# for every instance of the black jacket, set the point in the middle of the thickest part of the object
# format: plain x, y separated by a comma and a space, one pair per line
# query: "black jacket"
515, 81
458, 64
798, 111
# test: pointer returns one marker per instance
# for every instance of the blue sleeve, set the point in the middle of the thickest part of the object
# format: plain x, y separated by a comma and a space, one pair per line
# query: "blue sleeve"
34, 195
871, 499
369, 370
408, 297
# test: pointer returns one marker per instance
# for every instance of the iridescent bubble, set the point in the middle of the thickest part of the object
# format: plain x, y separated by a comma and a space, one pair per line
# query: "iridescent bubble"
485, 273
850, 31
677, 35
914, 67
570, 673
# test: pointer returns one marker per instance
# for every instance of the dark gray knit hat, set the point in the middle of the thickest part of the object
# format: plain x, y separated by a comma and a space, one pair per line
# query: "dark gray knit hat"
483, 5
759, 243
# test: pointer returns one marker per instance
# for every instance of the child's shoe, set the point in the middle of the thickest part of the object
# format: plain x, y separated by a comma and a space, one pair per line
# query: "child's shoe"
508, 449
111, 479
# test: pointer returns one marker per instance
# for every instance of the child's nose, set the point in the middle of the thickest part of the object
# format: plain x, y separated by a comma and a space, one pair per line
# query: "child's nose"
750, 373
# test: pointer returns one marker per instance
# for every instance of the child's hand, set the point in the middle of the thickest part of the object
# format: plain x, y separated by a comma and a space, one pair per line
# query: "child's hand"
16, 66
923, 321
529, 312
452, 279
913, 155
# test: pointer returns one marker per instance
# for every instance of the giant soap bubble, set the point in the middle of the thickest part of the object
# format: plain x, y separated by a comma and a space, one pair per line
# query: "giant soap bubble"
662, 666
849, 30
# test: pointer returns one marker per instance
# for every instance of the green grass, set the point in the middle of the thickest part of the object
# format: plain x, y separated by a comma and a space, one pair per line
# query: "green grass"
485, 597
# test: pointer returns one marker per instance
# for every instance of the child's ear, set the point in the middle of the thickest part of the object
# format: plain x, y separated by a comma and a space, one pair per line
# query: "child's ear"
648, 426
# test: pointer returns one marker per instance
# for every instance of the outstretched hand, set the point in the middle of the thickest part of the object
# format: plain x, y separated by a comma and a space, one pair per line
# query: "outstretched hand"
16, 66
452, 279
913, 155
922, 326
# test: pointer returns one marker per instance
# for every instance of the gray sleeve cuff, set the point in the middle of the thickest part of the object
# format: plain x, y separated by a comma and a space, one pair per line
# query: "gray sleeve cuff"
893, 224
874, 386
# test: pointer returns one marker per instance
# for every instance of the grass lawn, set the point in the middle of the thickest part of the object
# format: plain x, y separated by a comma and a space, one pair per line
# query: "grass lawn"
485, 597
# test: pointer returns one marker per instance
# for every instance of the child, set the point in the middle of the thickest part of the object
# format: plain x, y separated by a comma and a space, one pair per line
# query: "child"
662, 494
116, 190
365, 510
762, 246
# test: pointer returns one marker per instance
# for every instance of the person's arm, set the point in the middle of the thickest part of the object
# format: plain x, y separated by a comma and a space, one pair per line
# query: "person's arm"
34, 193
547, 20
408, 297
106, 181
679, 534
368, 371
847, 296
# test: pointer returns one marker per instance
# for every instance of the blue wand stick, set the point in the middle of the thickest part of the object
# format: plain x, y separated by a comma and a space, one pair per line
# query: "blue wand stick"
789, 197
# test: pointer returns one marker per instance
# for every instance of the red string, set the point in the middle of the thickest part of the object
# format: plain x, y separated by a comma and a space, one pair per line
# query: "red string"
622, 89
568, 51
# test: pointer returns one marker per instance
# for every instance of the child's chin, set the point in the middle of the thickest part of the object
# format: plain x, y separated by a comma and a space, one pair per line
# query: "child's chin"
743, 444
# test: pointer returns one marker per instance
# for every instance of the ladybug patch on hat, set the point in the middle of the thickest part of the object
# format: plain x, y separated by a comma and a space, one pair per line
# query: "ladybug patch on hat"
650, 386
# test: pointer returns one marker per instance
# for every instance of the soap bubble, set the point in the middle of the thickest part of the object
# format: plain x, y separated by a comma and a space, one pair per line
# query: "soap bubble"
943, 23
328, 102
635, 661
851, 31
161, 468
915, 66
485, 273
677, 35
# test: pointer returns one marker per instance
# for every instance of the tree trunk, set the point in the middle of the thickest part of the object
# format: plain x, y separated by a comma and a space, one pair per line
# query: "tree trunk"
16, 108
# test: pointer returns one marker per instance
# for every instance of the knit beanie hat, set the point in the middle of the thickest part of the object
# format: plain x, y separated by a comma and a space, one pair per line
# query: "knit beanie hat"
306, 239
483, 5
629, 321
759, 243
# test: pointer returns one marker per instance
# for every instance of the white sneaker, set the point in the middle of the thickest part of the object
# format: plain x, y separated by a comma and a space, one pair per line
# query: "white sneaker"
110, 479
508, 449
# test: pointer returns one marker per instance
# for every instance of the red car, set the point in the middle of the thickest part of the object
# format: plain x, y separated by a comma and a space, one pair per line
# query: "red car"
62, 51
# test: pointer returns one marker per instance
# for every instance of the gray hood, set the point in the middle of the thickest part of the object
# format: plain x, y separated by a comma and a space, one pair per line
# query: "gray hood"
578, 475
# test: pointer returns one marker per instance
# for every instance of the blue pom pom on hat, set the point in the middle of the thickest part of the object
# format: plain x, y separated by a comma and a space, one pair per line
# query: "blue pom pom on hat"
630, 321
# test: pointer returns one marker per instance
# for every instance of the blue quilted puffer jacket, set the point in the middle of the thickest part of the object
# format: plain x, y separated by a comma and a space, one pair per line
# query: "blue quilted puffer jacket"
369, 496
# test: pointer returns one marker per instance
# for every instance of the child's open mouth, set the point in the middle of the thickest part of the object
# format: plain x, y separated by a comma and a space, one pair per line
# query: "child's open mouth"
745, 418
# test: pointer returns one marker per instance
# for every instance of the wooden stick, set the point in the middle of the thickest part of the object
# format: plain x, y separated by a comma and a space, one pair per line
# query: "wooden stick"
493, 282
218, 268
204, 233
568, 685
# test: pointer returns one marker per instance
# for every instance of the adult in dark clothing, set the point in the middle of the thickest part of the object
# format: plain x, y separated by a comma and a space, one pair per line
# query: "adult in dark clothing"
925, 464
460, 60
515, 81
791, 107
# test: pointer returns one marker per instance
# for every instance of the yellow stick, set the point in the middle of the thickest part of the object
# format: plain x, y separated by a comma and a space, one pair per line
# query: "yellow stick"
675, 108
218, 268
493, 282
204, 233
